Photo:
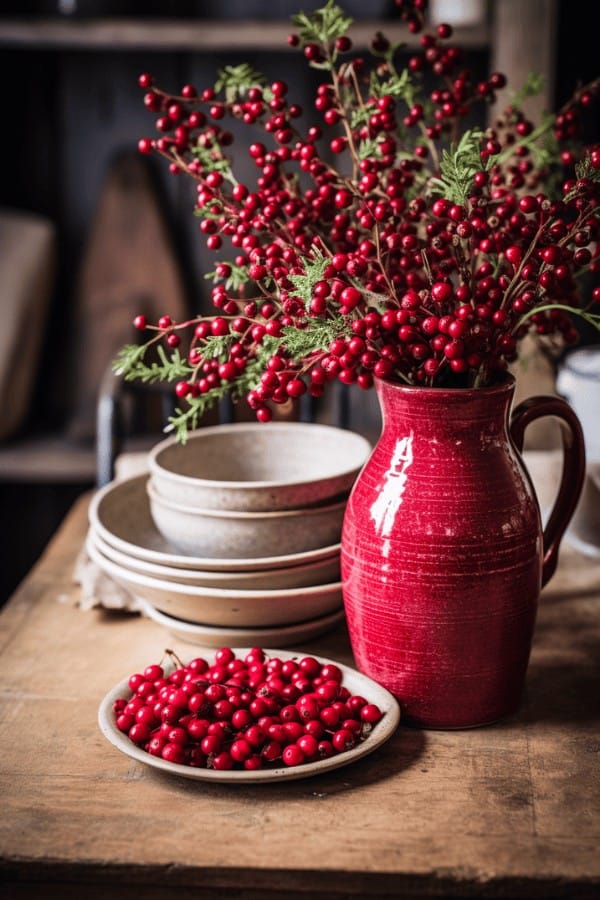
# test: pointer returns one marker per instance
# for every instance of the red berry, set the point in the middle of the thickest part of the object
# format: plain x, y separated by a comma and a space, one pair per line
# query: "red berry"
370, 713
292, 755
145, 146
174, 753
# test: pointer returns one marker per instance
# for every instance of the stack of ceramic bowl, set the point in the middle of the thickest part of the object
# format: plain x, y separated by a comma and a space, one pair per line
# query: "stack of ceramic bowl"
234, 536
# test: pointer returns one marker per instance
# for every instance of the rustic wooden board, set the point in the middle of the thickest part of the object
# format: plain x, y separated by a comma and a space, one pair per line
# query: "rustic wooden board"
129, 266
27, 276
510, 810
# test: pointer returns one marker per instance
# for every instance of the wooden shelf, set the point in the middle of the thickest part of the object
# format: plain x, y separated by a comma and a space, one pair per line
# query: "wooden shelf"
48, 458
54, 459
191, 34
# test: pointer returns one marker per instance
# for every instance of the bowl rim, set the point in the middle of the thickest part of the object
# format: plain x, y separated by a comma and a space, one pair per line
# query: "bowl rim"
135, 485
239, 427
244, 515
149, 581
231, 633
213, 576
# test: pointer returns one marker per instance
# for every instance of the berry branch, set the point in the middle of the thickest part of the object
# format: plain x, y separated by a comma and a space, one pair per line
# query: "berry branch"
386, 239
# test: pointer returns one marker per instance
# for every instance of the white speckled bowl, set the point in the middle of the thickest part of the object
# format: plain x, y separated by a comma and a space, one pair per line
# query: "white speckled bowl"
119, 514
220, 607
230, 534
251, 467
321, 571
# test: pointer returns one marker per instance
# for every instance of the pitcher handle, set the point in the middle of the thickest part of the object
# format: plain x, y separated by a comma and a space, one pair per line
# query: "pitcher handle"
573, 469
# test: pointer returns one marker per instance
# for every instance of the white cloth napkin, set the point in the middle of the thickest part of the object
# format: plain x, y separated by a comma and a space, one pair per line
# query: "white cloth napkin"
98, 589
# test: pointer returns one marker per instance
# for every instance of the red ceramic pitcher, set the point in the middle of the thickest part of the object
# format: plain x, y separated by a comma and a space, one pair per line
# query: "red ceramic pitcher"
443, 555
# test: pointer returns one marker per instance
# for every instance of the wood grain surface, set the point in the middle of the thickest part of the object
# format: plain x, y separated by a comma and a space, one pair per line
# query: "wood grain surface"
510, 810
129, 266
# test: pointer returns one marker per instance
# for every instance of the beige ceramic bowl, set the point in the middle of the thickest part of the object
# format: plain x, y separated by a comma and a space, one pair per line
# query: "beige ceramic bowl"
232, 608
225, 533
258, 467
321, 571
119, 515
262, 636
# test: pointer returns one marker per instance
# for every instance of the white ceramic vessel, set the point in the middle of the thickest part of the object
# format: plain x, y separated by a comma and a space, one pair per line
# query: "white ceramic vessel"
321, 571
119, 514
220, 636
221, 607
227, 533
251, 467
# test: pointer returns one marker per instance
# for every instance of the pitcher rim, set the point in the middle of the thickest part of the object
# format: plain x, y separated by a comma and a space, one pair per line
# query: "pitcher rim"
506, 385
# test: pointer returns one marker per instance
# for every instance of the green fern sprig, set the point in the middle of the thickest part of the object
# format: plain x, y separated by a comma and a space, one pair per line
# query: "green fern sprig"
541, 144
532, 87
212, 161
130, 364
583, 171
458, 166
185, 420
214, 211
255, 366
316, 337
314, 270
323, 27
217, 346
585, 314
369, 149
236, 81
235, 280
396, 84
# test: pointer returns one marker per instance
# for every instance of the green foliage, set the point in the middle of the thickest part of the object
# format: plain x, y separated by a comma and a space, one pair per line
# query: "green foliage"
317, 336
130, 364
534, 84
217, 346
323, 26
212, 160
584, 170
314, 270
394, 84
585, 314
457, 168
255, 366
235, 81
370, 149
187, 419
238, 277
541, 143
209, 212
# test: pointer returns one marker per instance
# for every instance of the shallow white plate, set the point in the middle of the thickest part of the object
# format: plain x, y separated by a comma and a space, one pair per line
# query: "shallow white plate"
232, 608
120, 514
213, 636
353, 680
322, 571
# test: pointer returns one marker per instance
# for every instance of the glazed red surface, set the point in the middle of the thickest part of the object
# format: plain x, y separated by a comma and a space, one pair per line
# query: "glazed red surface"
443, 553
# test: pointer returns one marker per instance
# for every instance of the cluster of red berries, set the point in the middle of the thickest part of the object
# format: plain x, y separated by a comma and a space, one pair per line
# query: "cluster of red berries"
245, 713
400, 269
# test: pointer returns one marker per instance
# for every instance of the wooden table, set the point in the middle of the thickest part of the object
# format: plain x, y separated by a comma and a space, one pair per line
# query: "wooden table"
510, 810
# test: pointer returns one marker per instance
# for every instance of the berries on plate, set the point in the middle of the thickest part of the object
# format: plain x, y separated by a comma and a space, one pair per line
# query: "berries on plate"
244, 710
